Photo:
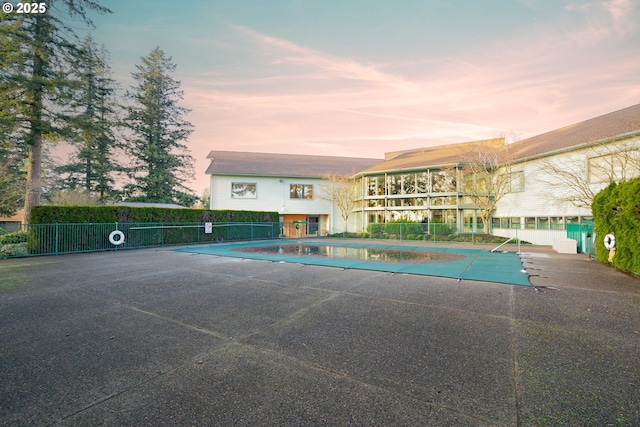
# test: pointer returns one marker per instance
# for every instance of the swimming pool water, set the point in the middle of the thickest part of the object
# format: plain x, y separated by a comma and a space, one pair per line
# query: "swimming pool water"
355, 253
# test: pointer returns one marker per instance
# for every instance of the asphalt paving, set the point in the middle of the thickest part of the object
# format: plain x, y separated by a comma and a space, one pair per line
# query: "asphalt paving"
155, 337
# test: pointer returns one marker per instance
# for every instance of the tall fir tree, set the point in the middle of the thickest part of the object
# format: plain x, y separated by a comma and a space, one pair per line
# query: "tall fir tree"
36, 79
161, 162
93, 165
12, 151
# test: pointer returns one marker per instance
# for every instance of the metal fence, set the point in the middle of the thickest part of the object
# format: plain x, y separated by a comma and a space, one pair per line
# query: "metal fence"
412, 231
57, 239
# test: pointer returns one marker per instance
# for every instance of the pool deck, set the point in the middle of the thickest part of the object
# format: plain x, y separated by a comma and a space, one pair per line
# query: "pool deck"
156, 337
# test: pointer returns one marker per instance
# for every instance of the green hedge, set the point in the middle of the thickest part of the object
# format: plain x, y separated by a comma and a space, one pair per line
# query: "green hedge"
68, 229
11, 238
617, 208
105, 214
404, 228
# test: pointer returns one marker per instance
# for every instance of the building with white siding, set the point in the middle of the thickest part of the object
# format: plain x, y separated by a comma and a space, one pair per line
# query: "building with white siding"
285, 183
551, 180
562, 170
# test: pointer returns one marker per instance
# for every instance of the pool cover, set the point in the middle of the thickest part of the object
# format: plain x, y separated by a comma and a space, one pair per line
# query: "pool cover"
477, 264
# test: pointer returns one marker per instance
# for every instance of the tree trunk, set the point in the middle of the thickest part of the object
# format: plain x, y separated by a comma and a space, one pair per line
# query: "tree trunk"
34, 164
34, 176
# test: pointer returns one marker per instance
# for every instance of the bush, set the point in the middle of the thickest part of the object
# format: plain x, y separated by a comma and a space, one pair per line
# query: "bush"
13, 250
617, 208
12, 238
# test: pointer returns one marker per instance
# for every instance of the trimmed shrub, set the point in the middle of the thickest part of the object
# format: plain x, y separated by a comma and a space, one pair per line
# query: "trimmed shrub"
104, 214
13, 250
13, 238
617, 208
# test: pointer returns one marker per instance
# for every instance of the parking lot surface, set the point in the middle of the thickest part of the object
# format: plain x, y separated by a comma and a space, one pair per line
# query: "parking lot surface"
159, 337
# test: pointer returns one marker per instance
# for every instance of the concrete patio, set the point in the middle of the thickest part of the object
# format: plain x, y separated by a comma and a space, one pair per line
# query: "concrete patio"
158, 337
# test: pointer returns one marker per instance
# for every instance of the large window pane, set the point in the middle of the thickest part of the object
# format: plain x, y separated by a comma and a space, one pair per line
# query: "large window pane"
301, 191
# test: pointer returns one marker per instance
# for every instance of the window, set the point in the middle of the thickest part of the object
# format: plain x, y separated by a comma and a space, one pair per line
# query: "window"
423, 182
516, 182
375, 186
301, 191
557, 223
243, 190
530, 222
612, 167
543, 223
443, 181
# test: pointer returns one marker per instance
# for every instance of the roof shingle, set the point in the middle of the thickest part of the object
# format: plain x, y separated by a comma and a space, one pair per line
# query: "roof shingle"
286, 165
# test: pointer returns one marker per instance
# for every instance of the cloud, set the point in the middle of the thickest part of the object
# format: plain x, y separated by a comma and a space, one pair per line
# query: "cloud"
623, 15
338, 67
603, 20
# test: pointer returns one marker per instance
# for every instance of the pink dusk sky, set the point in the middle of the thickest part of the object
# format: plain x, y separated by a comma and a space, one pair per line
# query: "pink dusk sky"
359, 78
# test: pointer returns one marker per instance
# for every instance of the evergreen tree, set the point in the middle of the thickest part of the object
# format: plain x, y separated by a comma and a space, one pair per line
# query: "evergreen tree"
161, 163
12, 153
35, 80
92, 167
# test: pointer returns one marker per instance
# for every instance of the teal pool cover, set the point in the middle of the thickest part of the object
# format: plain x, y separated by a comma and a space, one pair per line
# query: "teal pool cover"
475, 264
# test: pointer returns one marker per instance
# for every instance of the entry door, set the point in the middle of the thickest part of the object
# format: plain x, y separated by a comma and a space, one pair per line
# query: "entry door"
312, 224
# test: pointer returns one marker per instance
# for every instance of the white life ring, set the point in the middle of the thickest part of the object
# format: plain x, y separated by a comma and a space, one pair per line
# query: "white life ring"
115, 241
609, 241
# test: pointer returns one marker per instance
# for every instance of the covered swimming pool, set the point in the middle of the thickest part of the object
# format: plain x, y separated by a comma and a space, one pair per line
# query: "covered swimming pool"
457, 263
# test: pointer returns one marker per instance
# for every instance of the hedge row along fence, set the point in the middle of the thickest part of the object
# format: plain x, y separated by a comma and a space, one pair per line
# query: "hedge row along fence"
70, 229
103, 214
617, 208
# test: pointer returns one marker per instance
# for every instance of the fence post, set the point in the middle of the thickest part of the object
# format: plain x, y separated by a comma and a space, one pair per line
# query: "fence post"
57, 236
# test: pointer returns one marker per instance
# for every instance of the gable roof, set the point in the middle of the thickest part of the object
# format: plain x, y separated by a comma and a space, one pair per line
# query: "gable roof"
436, 156
613, 125
617, 124
286, 165
601, 128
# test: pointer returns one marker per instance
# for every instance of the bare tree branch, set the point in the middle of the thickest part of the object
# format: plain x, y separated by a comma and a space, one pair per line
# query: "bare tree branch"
342, 191
487, 176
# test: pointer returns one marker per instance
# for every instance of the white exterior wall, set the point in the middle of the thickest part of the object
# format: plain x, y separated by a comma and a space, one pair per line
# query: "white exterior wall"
542, 191
272, 194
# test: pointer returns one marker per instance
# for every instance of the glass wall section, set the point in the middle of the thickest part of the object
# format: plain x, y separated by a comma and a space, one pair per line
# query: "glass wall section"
468, 218
376, 217
402, 202
422, 182
424, 196
446, 216
394, 184
375, 185
444, 201
401, 183
443, 181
